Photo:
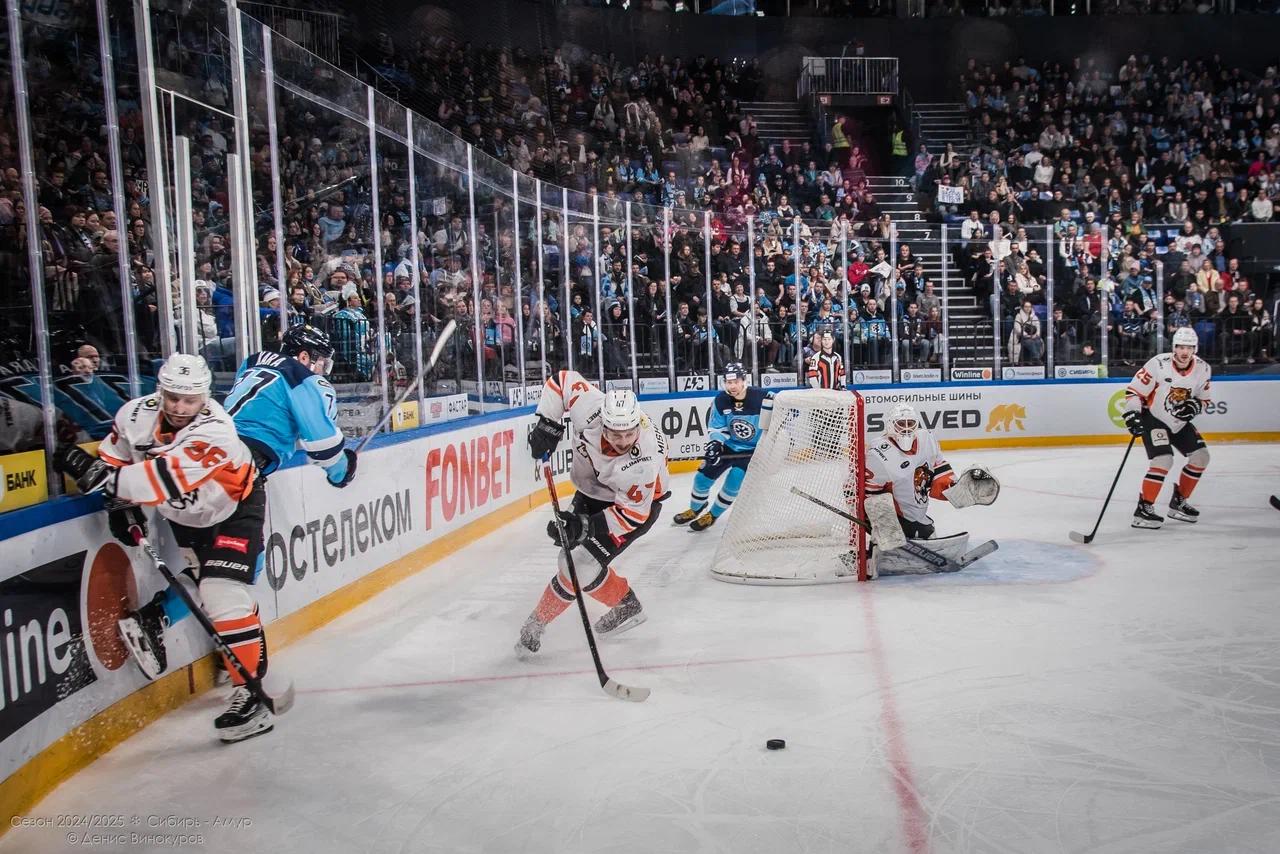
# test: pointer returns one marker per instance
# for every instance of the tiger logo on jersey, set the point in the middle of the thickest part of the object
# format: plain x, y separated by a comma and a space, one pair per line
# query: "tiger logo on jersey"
1176, 396
921, 482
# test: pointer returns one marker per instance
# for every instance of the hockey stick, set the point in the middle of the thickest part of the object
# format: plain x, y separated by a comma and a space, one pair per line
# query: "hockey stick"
1275, 502
1085, 539
612, 688
445, 334
940, 562
277, 702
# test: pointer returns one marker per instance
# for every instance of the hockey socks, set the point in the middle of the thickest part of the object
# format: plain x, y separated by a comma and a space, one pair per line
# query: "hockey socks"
1189, 479
1152, 483
608, 590
701, 492
244, 636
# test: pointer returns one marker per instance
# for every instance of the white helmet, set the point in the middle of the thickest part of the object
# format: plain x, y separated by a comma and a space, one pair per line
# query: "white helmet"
901, 425
1185, 336
185, 374
620, 412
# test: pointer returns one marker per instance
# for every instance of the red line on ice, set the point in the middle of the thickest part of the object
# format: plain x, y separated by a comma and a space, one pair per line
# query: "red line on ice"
914, 821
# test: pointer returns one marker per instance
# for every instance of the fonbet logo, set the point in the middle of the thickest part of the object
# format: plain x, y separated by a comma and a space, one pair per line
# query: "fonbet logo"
1006, 417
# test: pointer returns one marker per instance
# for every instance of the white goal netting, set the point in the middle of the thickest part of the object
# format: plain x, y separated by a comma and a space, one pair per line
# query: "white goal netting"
815, 443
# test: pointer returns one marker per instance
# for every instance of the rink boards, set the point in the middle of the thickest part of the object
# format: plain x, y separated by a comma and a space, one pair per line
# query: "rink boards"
67, 693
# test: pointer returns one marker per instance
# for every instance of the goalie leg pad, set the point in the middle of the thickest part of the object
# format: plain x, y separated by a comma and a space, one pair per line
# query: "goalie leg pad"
975, 486
900, 562
886, 530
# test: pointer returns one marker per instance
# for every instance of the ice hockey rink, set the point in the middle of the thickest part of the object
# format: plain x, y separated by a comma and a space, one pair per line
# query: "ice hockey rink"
1117, 697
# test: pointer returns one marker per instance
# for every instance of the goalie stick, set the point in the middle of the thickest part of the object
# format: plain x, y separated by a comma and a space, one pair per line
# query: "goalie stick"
1085, 539
278, 702
445, 335
939, 562
610, 686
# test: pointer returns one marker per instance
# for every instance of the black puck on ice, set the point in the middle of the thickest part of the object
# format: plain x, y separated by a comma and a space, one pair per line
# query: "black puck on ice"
775, 744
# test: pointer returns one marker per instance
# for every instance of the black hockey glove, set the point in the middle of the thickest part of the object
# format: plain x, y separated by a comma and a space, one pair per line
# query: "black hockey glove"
1188, 409
351, 470
714, 449
123, 517
575, 529
1133, 420
90, 473
545, 436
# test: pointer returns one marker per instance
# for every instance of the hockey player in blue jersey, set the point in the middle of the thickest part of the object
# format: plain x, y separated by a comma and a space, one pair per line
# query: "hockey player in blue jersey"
279, 402
739, 417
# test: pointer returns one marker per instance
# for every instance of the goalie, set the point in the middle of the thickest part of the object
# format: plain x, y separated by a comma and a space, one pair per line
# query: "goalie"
904, 471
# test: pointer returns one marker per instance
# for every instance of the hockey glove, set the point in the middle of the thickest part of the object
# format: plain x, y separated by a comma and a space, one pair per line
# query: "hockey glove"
350, 473
90, 473
121, 518
1188, 409
1133, 420
545, 436
575, 529
714, 449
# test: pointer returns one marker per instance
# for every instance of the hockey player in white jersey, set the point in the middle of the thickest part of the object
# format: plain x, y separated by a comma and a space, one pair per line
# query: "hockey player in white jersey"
1169, 391
905, 469
177, 451
619, 469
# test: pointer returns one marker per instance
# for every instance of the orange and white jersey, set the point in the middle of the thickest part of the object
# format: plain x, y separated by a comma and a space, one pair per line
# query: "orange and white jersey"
906, 474
1160, 386
194, 477
632, 480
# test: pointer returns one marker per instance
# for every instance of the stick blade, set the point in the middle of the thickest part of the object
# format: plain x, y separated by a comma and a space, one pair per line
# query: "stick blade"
1083, 539
278, 701
1275, 502
625, 692
978, 553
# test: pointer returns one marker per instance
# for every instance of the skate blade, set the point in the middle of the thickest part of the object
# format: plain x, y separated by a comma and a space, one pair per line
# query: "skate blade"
134, 643
1181, 517
625, 625
1142, 523
524, 653
253, 728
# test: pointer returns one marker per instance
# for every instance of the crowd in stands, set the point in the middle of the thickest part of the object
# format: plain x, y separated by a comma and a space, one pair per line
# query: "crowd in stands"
1142, 165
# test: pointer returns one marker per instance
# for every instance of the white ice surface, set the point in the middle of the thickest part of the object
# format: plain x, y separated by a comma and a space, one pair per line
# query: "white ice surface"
1118, 697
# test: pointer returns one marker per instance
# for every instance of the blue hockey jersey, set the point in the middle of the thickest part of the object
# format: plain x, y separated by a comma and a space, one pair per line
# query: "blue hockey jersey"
278, 405
737, 423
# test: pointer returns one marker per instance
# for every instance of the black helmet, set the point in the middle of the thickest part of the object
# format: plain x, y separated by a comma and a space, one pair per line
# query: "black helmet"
306, 339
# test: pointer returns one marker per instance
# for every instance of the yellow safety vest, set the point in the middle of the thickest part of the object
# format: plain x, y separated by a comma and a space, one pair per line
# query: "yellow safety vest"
899, 145
838, 139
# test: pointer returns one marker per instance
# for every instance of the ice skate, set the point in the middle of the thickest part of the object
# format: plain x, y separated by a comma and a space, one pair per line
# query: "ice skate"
530, 638
706, 520
245, 717
1181, 510
143, 634
627, 614
684, 517
1146, 517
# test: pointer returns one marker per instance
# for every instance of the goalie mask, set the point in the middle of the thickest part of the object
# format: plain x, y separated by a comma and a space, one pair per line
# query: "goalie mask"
901, 425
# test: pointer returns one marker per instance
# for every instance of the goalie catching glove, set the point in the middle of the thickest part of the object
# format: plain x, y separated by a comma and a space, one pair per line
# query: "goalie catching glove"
975, 486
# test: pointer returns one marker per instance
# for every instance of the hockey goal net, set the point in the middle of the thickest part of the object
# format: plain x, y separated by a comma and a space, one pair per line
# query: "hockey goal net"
814, 442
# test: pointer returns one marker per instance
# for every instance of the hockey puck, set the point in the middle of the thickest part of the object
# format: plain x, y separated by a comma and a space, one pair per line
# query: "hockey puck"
775, 744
